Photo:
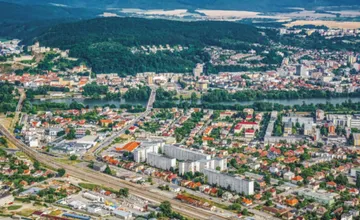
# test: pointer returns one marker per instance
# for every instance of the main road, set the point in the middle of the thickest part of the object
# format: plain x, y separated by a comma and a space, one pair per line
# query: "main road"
109, 181
110, 139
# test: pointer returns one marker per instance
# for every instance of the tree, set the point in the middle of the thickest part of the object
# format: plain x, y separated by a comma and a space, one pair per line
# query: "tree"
107, 170
193, 97
165, 208
3, 141
124, 192
71, 135
61, 172
150, 180
326, 216
73, 157
267, 179
358, 181
245, 212
269, 203
127, 132
88, 132
37, 165
341, 179
220, 193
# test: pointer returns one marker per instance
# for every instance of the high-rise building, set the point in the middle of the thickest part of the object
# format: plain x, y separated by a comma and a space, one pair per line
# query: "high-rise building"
189, 166
141, 153
352, 59
184, 153
301, 71
198, 70
234, 183
356, 139
160, 161
331, 129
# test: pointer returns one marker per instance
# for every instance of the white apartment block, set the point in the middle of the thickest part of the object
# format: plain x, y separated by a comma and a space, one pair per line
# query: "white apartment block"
339, 120
141, 153
184, 154
215, 163
220, 163
300, 120
237, 184
189, 166
200, 165
160, 161
355, 121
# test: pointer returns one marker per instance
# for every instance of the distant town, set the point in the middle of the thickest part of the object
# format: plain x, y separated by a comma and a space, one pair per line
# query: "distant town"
253, 134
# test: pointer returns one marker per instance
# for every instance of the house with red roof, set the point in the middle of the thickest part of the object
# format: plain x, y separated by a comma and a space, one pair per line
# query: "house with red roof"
249, 133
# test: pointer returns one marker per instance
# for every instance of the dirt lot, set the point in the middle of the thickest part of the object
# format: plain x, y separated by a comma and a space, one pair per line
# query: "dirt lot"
330, 24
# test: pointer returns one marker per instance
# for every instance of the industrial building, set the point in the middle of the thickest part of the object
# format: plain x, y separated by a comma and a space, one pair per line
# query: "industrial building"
321, 197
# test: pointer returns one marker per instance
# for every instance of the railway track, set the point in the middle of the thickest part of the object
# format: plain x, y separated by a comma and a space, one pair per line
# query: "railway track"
109, 181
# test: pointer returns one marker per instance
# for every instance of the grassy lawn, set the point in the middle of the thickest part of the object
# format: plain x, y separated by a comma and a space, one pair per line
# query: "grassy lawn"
92, 186
20, 154
14, 207
67, 161
26, 212
56, 212
5, 121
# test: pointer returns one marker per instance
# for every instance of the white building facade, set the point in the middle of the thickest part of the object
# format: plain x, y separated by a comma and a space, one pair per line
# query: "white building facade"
237, 184
160, 161
184, 154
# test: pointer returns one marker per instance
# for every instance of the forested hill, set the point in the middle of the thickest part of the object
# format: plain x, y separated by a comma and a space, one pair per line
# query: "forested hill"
11, 13
105, 43
256, 5
137, 31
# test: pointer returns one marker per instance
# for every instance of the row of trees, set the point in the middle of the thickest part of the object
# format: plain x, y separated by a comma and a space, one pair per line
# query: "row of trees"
7, 102
138, 94
43, 90
218, 95
345, 107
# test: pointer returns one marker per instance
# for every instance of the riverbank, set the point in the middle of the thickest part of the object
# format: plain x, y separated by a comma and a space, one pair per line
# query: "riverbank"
290, 102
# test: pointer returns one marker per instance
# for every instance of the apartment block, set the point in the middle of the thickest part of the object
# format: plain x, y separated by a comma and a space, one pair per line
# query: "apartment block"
141, 153
234, 183
184, 154
189, 166
160, 161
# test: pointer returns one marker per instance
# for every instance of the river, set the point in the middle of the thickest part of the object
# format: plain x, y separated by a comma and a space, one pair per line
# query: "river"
92, 102
101, 102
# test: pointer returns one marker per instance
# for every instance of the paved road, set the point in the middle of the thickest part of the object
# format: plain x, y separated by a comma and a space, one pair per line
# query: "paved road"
110, 139
109, 181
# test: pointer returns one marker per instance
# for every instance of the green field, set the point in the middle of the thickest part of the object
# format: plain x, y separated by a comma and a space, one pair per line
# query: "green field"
14, 207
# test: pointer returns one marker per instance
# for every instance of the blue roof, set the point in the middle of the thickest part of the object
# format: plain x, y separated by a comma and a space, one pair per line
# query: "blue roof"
121, 213
76, 216
32, 191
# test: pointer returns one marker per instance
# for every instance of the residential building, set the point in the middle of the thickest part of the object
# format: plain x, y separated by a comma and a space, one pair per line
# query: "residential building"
234, 183
184, 154
189, 166
160, 161
141, 152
